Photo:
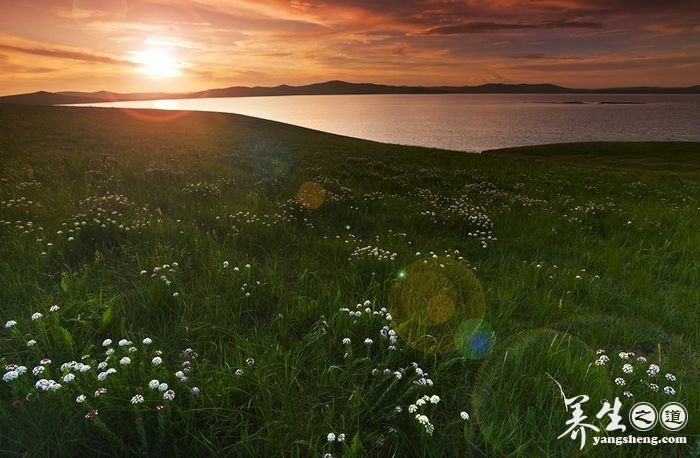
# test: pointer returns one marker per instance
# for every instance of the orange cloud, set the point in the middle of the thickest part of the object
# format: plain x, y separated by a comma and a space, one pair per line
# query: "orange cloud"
268, 42
13, 45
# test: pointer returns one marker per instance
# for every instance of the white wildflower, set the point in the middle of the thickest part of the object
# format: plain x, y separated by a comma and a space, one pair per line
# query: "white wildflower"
9, 376
422, 419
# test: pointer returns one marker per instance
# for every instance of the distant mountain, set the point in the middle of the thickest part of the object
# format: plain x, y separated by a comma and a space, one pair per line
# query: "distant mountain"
330, 88
44, 98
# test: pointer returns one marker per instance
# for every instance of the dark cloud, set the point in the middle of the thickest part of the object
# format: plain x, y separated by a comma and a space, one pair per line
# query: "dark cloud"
607, 63
636, 7
490, 27
63, 54
530, 56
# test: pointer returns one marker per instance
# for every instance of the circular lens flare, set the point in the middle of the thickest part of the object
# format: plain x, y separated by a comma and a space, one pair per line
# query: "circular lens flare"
311, 195
430, 301
475, 339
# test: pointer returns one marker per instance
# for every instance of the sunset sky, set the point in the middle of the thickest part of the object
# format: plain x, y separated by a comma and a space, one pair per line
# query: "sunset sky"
180, 46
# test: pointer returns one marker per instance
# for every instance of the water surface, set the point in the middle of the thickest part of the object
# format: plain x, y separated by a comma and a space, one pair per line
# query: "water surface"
469, 122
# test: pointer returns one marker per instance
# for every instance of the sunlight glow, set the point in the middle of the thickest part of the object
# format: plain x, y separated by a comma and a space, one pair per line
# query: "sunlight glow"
156, 63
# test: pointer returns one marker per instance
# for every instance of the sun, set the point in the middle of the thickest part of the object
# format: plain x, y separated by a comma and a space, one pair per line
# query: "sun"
156, 63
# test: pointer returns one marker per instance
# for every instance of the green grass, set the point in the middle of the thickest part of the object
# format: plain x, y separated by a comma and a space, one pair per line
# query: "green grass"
503, 273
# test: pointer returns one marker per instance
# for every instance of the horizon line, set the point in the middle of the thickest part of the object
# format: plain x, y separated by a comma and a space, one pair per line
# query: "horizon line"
398, 86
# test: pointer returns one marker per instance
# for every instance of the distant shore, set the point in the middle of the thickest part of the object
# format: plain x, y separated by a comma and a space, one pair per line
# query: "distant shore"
331, 88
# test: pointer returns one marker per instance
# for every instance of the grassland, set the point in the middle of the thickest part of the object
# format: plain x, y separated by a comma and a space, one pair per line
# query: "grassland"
290, 284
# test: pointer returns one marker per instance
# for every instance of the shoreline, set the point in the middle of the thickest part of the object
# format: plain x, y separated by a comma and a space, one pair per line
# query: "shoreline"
470, 124
541, 150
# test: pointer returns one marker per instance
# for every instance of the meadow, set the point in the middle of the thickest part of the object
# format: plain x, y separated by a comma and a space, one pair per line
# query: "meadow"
201, 284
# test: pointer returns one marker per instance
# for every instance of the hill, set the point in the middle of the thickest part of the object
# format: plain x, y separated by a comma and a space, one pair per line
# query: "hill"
206, 284
328, 88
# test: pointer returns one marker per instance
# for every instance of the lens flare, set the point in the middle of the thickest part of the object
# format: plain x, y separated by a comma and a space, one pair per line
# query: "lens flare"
513, 384
270, 159
475, 339
430, 301
311, 195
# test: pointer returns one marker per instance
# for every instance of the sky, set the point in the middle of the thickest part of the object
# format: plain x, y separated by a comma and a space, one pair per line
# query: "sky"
182, 46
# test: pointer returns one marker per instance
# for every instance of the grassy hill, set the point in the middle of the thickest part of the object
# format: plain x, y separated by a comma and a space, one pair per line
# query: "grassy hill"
286, 284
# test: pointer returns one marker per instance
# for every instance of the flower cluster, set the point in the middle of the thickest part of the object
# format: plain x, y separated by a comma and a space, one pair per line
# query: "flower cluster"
203, 190
333, 437
636, 375
422, 419
375, 252
398, 384
123, 368
161, 271
366, 309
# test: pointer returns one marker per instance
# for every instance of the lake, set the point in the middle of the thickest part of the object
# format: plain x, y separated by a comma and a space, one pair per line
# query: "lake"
469, 122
